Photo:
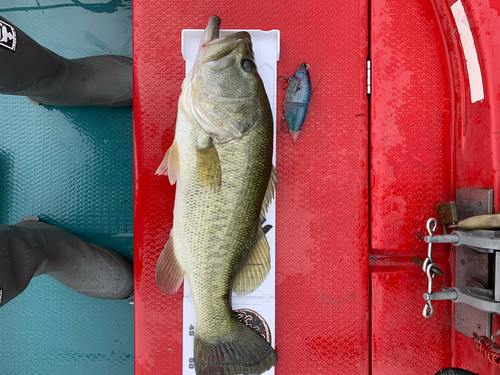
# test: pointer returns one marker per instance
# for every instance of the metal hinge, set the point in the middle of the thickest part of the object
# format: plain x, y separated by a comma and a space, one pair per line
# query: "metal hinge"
368, 77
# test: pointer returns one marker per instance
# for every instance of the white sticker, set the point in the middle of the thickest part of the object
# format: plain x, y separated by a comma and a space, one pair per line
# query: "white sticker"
470, 53
8, 36
1, 295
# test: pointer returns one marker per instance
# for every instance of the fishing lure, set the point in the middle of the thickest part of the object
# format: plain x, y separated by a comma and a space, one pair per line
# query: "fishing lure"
298, 95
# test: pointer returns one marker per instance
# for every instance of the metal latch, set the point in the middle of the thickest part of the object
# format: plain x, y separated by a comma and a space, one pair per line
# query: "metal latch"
428, 266
487, 241
474, 211
481, 299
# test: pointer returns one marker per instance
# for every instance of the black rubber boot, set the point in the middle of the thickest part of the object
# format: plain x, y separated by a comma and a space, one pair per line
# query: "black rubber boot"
454, 371
32, 248
28, 69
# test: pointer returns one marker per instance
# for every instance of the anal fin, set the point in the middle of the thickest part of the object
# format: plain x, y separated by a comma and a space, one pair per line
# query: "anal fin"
256, 267
169, 274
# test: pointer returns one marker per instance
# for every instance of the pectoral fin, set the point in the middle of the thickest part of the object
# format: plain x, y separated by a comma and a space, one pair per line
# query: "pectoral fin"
169, 274
170, 164
208, 168
271, 188
256, 268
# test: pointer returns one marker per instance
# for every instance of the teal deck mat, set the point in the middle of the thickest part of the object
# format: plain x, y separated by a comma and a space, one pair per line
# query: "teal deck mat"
72, 167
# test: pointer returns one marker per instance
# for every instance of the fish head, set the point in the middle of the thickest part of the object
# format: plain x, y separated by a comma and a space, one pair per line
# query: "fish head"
299, 86
301, 71
224, 94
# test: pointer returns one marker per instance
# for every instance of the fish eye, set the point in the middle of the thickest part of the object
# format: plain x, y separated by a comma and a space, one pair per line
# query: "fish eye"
247, 65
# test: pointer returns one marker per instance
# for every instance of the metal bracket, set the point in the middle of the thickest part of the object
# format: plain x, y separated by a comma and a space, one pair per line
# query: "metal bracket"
486, 241
481, 299
471, 266
476, 295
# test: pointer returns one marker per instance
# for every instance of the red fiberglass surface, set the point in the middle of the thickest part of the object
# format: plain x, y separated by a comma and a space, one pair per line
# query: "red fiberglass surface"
427, 139
411, 172
477, 137
322, 275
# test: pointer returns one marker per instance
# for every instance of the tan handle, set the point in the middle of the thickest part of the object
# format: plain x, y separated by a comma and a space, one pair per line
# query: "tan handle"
480, 222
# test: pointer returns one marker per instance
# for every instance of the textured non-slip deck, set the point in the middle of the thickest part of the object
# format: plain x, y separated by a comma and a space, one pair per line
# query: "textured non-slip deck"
322, 200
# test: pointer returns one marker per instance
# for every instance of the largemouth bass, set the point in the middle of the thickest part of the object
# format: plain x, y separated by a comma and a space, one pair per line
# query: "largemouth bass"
221, 161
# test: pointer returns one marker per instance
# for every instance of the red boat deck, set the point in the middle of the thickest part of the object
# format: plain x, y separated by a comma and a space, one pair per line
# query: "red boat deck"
355, 190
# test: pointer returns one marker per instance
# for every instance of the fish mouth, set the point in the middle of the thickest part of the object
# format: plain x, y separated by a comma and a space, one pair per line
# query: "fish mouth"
212, 30
301, 70
211, 34
215, 48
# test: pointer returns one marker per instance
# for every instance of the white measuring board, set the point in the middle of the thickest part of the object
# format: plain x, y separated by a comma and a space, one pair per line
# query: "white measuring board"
266, 47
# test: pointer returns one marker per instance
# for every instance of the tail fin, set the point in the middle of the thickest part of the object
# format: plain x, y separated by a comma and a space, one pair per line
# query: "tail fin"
246, 353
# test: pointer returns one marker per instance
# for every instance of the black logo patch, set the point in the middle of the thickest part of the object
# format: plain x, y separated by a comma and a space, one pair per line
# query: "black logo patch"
8, 36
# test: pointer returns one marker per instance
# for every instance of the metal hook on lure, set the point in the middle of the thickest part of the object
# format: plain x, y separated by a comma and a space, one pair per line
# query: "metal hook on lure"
297, 99
284, 80
283, 127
